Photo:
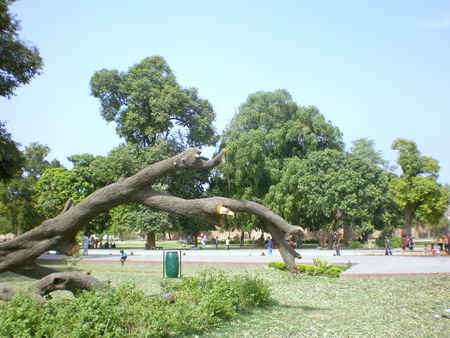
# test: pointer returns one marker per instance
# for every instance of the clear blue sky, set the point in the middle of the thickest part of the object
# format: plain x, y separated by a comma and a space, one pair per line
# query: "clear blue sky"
375, 69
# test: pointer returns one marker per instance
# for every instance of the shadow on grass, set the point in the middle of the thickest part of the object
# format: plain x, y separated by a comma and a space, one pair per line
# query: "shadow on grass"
305, 308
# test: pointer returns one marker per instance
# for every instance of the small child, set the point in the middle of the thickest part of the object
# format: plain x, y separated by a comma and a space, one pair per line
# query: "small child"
434, 250
123, 258
426, 250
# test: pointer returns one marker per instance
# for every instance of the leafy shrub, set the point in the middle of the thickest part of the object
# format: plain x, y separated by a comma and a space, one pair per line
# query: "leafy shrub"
302, 268
202, 301
380, 240
314, 270
322, 263
310, 241
355, 245
371, 245
217, 292
396, 242
309, 269
278, 265
334, 272
321, 267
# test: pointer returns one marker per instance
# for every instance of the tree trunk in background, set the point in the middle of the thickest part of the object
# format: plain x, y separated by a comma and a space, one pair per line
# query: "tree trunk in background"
409, 217
331, 233
346, 239
194, 239
242, 239
150, 241
19, 229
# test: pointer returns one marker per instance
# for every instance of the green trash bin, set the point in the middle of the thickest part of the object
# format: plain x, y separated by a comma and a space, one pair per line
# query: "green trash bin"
172, 265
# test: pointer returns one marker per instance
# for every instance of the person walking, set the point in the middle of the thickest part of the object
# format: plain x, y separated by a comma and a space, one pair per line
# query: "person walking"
85, 244
410, 242
269, 246
448, 243
217, 242
336, 244
227, 242
324, 239
441, 242
123, 257
387, 245
261, 241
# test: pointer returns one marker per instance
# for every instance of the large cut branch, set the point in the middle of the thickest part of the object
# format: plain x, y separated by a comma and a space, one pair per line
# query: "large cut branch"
59, 233
74, 282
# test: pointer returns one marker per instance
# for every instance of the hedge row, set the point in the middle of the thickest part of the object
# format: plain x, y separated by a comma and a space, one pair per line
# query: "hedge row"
312, 270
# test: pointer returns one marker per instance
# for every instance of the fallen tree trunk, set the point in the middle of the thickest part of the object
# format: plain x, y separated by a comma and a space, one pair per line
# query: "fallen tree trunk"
74, 282
19, 255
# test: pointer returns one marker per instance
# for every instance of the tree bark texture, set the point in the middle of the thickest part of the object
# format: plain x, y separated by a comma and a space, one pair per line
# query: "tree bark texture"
346, 239
409, 217
19, 255
150, 241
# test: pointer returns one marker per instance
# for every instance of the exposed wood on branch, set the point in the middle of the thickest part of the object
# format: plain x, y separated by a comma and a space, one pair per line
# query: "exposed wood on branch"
222, 211
68, 205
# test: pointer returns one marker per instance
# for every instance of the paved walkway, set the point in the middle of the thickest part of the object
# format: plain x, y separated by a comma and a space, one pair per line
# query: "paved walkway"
364, 263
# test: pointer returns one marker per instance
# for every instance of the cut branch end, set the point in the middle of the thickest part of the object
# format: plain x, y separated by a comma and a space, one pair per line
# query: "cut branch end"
223, 211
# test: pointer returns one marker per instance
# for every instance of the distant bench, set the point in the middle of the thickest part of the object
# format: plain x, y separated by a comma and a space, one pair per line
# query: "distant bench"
157, 248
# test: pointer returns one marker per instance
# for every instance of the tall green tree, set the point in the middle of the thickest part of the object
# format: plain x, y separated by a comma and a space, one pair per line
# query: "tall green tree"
11, 158
157, 116
36, 163
330, 188
89, 173
144, 220
147, 103
365, 149
268, 128
183, 184
416, 189
122, 160
18, 196
19, 61
53, 189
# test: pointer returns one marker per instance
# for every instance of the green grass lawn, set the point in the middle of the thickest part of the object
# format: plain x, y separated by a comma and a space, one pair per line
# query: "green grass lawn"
307, 306
322, 307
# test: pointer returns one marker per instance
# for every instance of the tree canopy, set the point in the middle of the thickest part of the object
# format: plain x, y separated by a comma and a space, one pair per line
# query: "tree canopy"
328, 187
268, 129
365, 149
416, 189
147, 104
19, 62
18, 199
11, 158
